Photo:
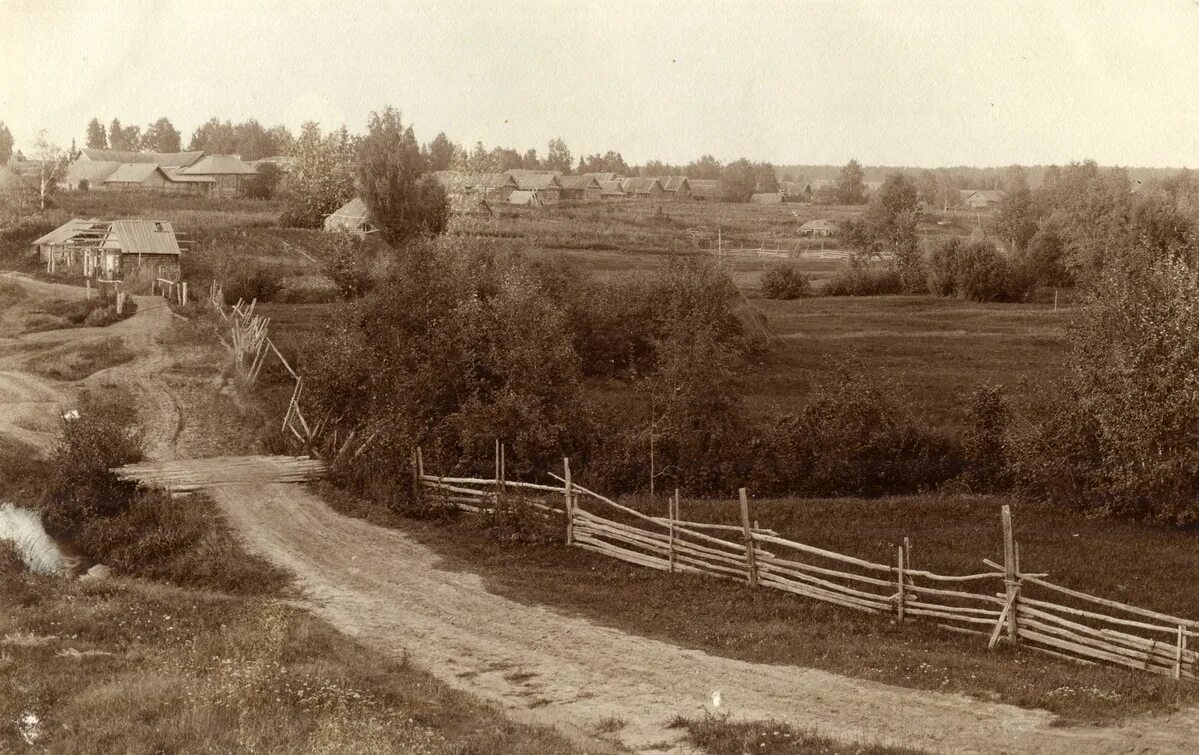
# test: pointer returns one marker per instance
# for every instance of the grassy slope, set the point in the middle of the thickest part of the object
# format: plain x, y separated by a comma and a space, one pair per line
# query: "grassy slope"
729, 619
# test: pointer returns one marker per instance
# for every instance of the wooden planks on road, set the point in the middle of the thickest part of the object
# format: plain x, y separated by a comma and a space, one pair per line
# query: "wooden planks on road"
187, 475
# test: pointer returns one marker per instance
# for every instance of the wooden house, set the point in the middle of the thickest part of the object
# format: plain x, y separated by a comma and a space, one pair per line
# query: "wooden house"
819, 228
108, 248
704, 190
675, 187
767, 197
642, 188
612, 191
580, 189
228, 173
525, 198
545, 183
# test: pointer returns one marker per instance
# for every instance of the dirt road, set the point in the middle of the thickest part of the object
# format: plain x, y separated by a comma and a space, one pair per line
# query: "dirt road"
390, 592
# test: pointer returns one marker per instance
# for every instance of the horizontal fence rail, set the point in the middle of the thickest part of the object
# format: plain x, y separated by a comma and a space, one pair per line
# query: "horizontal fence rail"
1001, 604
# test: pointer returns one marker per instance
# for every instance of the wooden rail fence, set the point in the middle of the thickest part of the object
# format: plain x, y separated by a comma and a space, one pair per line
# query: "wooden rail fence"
1002, 603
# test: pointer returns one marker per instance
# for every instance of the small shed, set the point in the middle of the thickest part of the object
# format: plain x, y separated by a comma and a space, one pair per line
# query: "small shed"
108, 246
353, 216
580, 188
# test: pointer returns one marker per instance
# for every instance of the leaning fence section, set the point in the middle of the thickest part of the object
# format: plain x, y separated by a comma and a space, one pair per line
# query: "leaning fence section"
1001, 603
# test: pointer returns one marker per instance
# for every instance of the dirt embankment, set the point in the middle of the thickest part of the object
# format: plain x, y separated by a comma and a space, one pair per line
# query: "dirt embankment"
392, 593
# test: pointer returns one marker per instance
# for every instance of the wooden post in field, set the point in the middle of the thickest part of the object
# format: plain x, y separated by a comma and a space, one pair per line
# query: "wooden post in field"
415, 478
899, 597
570, 512
1180, 651
183, 293
88, 282
496, 508
672, 505
1010, 571
420, 462
120, 302
751, 560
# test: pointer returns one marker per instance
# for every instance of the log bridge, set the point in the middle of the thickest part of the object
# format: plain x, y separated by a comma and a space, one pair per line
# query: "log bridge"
188, 475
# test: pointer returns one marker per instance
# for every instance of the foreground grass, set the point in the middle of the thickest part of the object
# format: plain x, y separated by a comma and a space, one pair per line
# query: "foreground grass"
137, 667
719, 734
75, 361
729, 619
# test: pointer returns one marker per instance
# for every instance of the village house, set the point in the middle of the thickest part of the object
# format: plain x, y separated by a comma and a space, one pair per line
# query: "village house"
611, 191
525, 198
602, 177
107, 248
488, 187
228, 173
982, 199
796, 192
704, 189
675, 188
580, 189
642, 188
545, 183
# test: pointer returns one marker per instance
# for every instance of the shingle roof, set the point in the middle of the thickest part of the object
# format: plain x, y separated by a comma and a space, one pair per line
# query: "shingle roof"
145, 237
68, 230
218, 165
673, 183
532, 181
92, 172
640, 185
578, 182
174, 159
132, 173
522, 197
601, 177
611, 187
176, 175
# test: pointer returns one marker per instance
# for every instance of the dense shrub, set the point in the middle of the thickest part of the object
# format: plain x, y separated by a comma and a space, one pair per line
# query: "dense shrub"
1123, 437
783, 281
985, 449
348, 268
852, 438
977, 271
250, 283
858, 277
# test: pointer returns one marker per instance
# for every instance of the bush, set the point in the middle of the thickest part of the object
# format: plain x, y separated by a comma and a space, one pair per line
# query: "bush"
250, 283
859, 278
783, 281
978, 272
1121, 438
853, 438
986, 443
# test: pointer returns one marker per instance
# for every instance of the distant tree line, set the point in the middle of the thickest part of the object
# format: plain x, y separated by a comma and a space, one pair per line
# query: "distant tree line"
249, 139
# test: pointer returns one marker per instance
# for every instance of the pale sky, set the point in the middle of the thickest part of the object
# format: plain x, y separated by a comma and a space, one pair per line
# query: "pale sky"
896, 83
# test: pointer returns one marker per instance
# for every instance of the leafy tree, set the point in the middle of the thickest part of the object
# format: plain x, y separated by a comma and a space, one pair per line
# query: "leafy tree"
97, 138
51, 164
558, 156
322, 176
851, 186
214, 136
888, 230
530, 161
767, 179
738, 180
706, 168
441, 152
782, 281
161, 136
264, 183
1016, 219
505, 159
6, 144
124, 139
281, 140
389, 173
252, 140
609, 162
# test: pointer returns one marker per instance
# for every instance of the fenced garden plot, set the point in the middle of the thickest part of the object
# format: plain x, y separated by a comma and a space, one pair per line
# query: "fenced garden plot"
1002, 603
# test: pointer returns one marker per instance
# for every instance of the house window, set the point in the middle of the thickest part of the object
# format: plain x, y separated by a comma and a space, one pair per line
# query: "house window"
158, 227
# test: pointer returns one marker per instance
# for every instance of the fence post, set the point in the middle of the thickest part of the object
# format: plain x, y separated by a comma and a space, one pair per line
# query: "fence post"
570, 512
496, 505
415, 477
120, 302
1010, 572
751, 561
183, 294
1180, 651
672, 505
899, 596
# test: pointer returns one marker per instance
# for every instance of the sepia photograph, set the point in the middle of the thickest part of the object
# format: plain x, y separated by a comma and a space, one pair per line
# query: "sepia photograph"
708, 377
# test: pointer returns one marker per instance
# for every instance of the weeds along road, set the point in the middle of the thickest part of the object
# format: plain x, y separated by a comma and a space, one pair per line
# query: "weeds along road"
391, 593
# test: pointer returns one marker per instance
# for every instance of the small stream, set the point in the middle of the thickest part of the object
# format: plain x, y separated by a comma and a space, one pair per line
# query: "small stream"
38, 550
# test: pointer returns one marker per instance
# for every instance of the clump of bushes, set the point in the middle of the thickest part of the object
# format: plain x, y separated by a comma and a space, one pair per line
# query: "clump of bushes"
252, 282
782, 281
976, 271
858, 277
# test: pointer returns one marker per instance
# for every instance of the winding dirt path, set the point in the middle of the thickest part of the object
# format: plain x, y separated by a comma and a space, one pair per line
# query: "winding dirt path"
392, 593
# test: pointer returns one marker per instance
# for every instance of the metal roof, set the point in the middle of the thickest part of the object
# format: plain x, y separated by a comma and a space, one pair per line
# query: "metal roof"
144, 237
219, 165
172, 159
175, 175
70, 230
132, 173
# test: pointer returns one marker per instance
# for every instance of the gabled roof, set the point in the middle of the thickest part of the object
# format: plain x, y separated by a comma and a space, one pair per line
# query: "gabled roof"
601, 177
133, 173
454, 181
92, 172
528, 181
578, 182
144, 237
176, 175
219, 165
611, 188
704, 187
173, 159
70, 230
986, 195
794, 188
523, 197
674, 183
640, 185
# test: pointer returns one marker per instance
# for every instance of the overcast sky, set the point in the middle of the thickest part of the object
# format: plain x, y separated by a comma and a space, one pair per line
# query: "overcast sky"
896, 83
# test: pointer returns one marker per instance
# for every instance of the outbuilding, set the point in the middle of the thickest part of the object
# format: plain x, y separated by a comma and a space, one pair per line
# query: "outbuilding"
354, 216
